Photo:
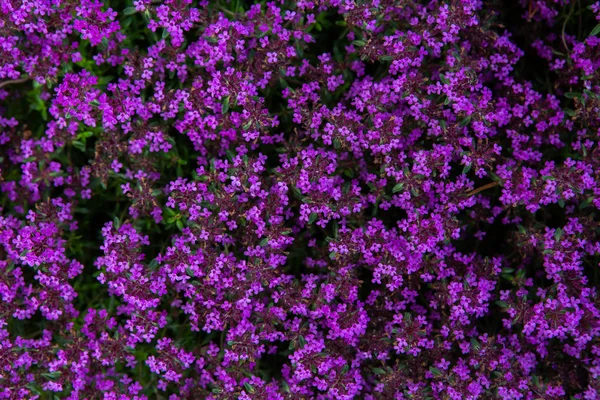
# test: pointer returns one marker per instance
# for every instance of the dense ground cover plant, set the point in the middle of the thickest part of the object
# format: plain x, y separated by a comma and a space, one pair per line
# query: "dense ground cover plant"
299, 200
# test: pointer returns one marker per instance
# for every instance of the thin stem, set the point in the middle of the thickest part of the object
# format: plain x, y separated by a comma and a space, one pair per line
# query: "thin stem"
565, 26
580, 24
13, 81
481, 188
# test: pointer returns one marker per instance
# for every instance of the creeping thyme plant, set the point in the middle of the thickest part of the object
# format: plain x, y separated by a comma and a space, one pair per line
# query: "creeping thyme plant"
312, 199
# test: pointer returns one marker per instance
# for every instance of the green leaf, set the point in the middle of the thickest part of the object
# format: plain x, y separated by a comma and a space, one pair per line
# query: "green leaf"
378, 371
301, 341
225, 106
179, 224
590, 94
84, 135
129, 11
33, 388
572, 95
78, 145
502, 304
475, 344
507, 277
465, 121
436, 371
249, 388
359, 43
300, 52
467, 168
153, 264
595, 31
557, 234
312, 217
398, 188
51, 375
586, 203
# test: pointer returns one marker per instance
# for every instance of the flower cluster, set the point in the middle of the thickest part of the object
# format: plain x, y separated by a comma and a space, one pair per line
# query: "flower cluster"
330, 199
